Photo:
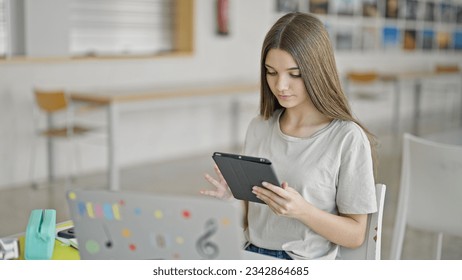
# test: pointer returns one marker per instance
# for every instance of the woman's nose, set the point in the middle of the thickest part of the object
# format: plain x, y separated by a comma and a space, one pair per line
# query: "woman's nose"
282, 83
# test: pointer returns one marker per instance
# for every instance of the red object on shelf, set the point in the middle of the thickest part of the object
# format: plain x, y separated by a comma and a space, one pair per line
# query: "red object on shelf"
222, 17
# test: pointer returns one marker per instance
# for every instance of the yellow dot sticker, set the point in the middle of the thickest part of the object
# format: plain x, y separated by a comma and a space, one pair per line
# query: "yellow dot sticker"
158, 214
72, 196
179, 240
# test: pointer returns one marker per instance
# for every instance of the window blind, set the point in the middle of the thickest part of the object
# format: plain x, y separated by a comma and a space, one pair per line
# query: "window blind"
120, 27
3, 28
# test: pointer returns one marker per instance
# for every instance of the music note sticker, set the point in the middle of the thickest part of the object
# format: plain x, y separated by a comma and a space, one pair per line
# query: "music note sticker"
204, 246
108, 242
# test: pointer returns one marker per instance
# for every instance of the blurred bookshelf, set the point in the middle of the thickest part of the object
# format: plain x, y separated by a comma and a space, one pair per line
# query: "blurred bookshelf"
386, 25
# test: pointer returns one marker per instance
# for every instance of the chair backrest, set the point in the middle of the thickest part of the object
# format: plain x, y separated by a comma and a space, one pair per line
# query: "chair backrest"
362, 77
51, 101
371, 248
450, 68
431, 185
363, 84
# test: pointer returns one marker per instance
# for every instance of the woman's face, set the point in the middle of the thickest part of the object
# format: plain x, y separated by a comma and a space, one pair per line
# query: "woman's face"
284, 79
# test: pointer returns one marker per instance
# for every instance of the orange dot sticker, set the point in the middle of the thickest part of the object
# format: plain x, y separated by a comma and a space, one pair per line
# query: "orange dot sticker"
225, 221
126, 232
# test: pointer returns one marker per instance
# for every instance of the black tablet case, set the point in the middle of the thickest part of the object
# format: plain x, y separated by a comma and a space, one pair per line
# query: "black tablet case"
243, 172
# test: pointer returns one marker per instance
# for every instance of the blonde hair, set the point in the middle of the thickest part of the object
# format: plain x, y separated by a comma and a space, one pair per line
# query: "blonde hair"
305, 38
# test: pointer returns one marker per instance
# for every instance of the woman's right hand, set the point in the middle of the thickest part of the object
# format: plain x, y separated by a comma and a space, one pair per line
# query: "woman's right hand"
222, 190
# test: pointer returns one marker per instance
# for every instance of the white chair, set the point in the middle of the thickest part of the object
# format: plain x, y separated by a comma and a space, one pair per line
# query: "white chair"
371, 248
430, 195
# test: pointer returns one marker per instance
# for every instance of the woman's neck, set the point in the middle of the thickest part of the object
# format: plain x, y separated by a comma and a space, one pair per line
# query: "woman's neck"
302, 123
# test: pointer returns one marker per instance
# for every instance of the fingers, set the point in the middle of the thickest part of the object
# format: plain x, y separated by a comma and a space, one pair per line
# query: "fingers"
221, 190
209, 193
270, 193
212, 180
280, 191
277, 198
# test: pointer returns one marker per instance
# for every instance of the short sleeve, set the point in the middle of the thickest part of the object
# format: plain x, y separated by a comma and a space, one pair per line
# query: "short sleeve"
356, 186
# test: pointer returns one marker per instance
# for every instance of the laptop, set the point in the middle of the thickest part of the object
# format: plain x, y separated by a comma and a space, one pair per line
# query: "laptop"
136, 225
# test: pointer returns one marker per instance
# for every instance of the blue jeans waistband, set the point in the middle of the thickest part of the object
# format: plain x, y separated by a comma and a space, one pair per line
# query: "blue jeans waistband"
280, 254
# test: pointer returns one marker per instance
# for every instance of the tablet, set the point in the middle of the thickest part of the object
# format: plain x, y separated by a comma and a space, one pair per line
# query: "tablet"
243, 172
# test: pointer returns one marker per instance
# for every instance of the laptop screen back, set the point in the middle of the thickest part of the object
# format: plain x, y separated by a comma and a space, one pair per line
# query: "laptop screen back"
130, 225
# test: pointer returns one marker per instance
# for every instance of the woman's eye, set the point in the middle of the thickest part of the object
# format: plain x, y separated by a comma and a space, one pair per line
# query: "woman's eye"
270, 73
296, 75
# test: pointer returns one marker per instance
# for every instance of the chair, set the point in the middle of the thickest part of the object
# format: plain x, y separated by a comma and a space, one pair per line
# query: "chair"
442, 68
447, 87
430, 193
371, 248
53, 103
362, 84
369, 92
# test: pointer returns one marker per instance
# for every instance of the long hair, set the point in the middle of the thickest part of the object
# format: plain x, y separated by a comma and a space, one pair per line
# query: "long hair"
305, 38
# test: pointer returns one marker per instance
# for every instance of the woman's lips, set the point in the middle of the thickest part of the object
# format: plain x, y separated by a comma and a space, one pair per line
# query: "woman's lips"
284, 96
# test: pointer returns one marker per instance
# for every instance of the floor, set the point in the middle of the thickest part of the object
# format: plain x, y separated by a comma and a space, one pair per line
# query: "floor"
185, 176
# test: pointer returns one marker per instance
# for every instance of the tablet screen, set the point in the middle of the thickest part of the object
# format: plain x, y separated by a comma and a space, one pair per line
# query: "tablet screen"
243, 172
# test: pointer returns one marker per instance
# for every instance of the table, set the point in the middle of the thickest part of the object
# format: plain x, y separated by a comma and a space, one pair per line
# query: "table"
416, 77
113, 98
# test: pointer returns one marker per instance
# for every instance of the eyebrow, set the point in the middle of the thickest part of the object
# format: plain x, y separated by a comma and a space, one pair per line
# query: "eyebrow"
291, 68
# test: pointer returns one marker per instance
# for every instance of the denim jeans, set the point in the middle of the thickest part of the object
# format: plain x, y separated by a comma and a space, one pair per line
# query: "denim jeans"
280, 254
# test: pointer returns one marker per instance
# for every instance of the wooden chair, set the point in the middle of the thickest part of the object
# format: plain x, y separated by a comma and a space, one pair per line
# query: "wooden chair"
362, 84
371, 248
430, 192
54, 103
447, 68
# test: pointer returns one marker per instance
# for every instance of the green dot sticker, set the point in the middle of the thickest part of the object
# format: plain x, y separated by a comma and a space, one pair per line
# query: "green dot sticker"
92, 247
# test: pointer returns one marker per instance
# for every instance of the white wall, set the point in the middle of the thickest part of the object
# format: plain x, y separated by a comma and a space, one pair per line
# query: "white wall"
169, 128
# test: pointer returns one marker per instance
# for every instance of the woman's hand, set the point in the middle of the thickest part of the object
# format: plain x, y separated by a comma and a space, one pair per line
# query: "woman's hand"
346, 230
284, 200
222, 190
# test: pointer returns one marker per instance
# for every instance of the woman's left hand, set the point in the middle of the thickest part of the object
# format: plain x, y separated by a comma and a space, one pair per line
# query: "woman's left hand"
283, 200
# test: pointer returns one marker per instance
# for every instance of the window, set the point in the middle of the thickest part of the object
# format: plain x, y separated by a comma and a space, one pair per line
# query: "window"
3, 28
119, 27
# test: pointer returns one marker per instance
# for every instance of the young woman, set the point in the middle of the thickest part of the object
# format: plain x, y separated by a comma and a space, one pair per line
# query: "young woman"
323, 154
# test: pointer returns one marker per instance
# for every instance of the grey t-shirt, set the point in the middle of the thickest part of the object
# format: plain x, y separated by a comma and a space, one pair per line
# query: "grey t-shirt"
332, 169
